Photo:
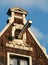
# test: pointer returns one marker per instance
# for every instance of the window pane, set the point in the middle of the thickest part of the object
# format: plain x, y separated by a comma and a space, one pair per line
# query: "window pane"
23, 62
14, 61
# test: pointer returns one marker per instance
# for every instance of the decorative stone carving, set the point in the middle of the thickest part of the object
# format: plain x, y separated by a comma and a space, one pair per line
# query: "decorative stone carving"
17, 42
16, 26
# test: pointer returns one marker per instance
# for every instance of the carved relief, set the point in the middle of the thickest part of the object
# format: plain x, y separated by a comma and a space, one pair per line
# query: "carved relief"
15, 27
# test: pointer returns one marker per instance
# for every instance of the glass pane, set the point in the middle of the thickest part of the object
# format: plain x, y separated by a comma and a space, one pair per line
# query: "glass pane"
14, 61
23, 62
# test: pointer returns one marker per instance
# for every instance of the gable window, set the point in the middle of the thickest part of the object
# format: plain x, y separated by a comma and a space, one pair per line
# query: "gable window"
17, 59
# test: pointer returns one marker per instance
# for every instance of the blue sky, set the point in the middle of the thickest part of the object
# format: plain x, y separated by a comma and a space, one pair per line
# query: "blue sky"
38, 13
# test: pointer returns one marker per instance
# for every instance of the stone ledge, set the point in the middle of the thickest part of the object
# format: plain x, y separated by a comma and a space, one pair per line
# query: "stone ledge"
19, 47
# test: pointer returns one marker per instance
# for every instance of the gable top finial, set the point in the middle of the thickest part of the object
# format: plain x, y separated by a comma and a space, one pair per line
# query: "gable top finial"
17, 10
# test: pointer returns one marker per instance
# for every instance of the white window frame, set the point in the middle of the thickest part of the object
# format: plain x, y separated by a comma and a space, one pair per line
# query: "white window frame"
9, 53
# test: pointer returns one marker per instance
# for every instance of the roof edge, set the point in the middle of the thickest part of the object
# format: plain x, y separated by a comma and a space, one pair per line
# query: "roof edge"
42, 48
4, 29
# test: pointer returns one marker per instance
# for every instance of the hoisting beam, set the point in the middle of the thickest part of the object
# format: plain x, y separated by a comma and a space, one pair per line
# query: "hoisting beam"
27, 25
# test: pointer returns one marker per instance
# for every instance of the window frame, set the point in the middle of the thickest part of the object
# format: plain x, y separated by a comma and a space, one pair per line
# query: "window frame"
9, 53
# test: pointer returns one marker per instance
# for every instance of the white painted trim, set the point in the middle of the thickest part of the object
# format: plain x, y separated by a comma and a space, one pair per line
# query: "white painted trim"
8, 54
4, 29
13, 31
16, 10
24, 19
16, 16
43, 49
